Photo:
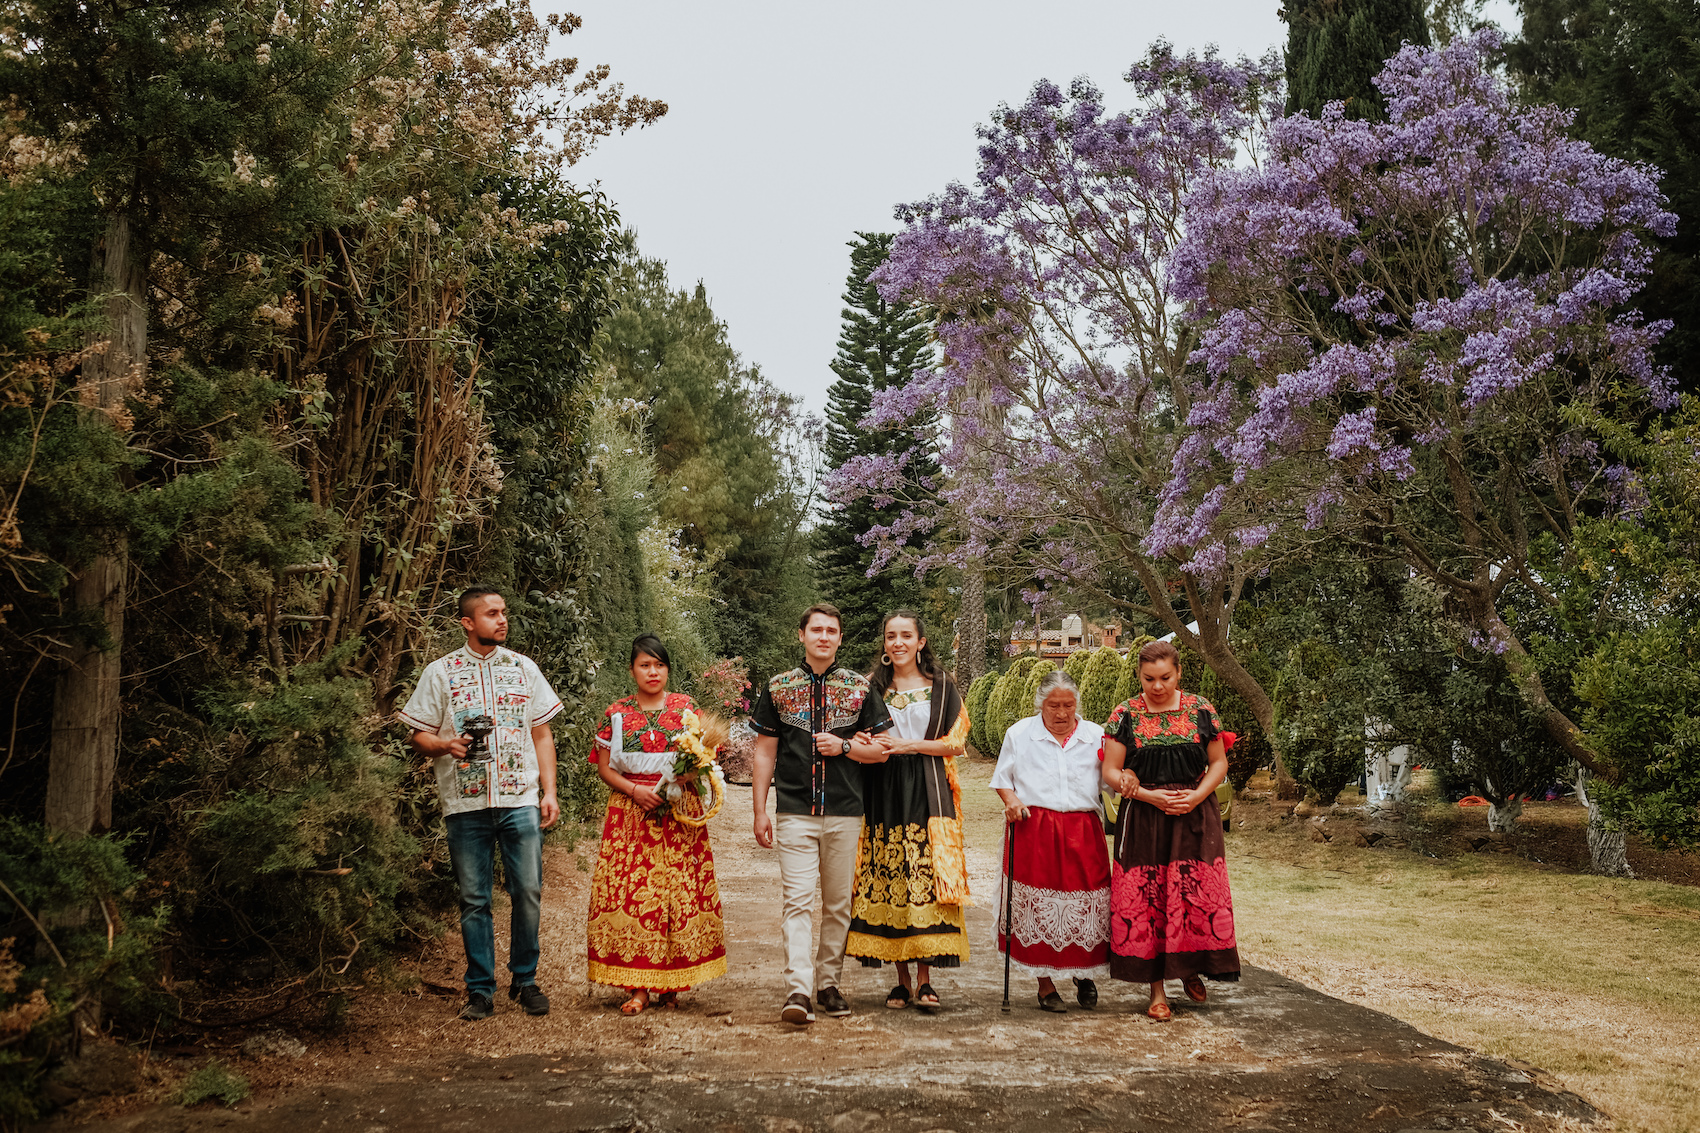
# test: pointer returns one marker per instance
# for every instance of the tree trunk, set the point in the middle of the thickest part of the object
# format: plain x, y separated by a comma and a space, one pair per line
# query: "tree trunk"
84, 753
1503, 816
1608, 851
971, 629
1524, 671
1211, 642
971, 409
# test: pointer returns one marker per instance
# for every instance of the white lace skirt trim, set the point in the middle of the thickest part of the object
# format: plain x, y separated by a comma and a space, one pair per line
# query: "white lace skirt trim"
1057, 918
1090, 972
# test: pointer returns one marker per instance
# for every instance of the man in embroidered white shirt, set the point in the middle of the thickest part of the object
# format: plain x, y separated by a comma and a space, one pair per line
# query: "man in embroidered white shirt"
503, 801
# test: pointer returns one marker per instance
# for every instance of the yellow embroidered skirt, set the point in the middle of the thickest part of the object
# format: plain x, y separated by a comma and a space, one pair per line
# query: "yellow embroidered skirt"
654, 905
908, 867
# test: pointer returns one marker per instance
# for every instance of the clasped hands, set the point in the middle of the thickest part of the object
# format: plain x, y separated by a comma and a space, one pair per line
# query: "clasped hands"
1167, 799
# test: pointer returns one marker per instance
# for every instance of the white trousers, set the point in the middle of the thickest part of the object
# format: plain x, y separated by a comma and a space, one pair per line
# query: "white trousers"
815, 850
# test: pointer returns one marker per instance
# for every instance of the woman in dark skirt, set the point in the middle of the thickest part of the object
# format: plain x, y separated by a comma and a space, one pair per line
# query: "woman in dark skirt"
1171, 915
912, 879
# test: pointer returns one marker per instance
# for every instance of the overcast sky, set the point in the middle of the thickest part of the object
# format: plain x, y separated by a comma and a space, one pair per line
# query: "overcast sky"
793, 125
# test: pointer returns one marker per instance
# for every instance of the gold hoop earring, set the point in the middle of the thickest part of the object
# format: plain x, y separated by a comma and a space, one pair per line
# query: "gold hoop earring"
886, 657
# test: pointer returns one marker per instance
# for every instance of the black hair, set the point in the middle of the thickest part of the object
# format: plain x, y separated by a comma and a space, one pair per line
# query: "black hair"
471, 595
648, 644
880, 677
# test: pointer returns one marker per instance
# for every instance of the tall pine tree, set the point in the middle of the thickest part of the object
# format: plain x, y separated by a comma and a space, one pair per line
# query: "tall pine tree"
1629, 70
1335, 47
880, 345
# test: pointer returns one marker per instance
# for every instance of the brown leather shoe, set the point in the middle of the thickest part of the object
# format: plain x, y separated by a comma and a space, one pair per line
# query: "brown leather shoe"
832, 1002
797, 1010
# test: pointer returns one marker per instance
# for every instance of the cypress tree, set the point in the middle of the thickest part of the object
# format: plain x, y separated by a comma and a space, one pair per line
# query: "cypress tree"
1098, 688
1004, 708
879, 346
979, 697
1030, 689
1628, 69
1335, 47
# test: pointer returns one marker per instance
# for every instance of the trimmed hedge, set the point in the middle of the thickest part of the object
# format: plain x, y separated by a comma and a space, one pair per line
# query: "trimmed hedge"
1004, 707
975, 705
1077, 663
1031, 689
1098, 688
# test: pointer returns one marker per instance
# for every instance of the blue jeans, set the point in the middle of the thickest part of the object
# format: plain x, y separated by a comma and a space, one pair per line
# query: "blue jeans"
473, 840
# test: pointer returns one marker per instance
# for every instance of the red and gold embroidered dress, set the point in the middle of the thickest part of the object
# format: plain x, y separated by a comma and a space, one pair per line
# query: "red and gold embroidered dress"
655, 918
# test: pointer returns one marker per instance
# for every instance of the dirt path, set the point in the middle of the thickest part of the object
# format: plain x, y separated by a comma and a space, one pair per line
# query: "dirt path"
1265, 1054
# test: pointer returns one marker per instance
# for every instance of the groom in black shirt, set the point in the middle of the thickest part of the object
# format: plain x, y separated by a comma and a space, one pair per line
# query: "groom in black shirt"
806, 721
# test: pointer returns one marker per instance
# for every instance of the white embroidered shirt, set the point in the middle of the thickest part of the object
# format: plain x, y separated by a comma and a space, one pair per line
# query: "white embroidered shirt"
510, 689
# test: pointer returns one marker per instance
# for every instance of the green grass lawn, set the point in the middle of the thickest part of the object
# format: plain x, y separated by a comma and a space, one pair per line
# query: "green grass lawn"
1592, 979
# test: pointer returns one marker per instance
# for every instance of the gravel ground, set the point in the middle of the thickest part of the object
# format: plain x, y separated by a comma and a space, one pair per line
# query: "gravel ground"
1267, 1053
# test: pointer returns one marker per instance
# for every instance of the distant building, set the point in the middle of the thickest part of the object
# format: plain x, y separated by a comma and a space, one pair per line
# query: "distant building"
1073, 636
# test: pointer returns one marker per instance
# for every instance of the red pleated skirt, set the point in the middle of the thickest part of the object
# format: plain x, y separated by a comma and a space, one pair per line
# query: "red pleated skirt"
1058, 909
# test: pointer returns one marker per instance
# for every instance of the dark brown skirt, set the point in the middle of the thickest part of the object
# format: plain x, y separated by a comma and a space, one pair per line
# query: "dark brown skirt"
1171, 915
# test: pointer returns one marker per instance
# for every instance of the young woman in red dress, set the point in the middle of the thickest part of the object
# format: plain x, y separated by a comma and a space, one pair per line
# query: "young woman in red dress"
1171, 914
655, 926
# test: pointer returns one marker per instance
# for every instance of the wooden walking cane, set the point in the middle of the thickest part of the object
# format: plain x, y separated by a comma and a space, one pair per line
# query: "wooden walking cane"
1008, 905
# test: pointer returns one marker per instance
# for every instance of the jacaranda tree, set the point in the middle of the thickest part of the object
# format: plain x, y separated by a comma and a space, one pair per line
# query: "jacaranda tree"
1065, 362
1405, 329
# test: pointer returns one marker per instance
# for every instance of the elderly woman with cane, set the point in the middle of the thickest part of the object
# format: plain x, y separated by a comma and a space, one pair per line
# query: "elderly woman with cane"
1171, 915
1054, 898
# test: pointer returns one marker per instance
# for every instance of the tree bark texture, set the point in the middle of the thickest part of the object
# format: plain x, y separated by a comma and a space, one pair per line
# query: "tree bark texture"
1608, 850
971, 628
83, 757
1502, 817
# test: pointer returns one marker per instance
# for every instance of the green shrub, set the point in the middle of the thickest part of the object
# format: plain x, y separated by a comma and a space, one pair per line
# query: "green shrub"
1642, 692
1319, 722
1077, 662
1004, 707
1098, 687
213, 1082
975, 705
1030, 688
56, 956
302, 827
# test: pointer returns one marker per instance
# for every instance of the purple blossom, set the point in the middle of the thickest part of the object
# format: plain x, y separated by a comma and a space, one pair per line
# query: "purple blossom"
1447, 281
1052, 277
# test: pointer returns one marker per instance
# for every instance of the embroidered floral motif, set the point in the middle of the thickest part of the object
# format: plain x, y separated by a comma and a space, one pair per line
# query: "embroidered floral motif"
1058, 919
647, 731
655, 918
842, 690
898, 701
895, 890
1178, 725
1178, 907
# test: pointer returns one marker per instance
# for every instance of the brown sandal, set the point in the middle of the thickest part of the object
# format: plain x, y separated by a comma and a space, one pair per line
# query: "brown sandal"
1195, 989
1159, 1012
669, 1000
636, 1004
